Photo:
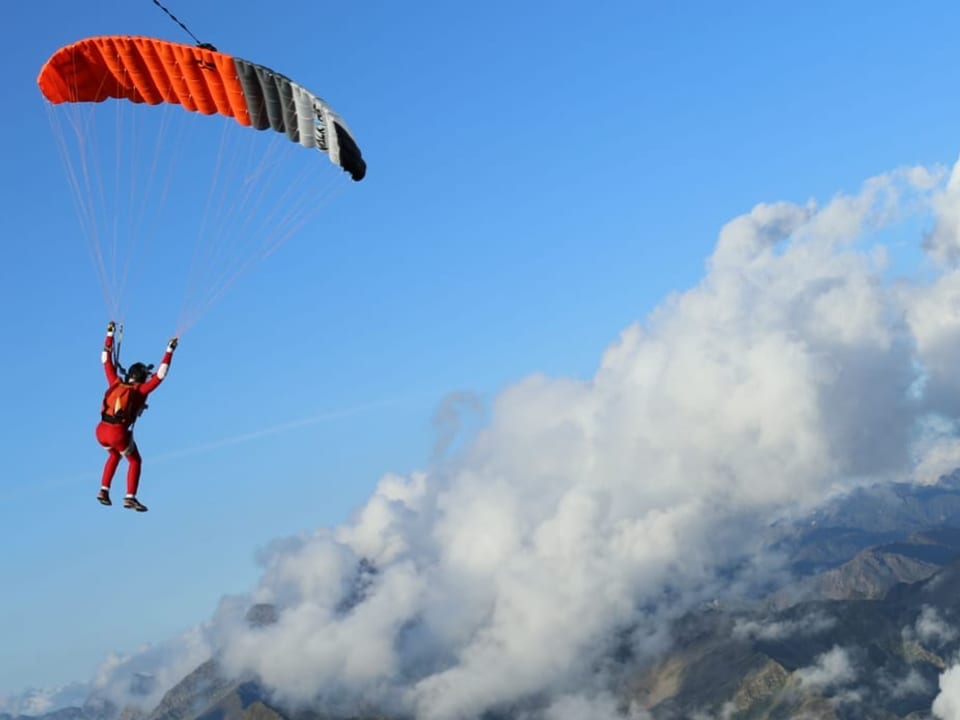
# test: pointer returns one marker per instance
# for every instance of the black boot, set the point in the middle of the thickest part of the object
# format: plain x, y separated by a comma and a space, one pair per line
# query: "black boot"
134, 504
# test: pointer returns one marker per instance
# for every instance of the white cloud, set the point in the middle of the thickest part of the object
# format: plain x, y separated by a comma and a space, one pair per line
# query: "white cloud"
141, 678
913, 683
832, 669
946, 705
937, 450
943, 242
589, 512
37, 701
933, 314
931, 628
600, 707
813, 624
507, 571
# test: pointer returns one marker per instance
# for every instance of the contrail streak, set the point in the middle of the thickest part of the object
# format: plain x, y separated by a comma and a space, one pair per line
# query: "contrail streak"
241, 438
273, 430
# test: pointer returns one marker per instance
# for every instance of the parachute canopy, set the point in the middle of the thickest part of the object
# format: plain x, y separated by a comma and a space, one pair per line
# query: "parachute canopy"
137, 122
153, 71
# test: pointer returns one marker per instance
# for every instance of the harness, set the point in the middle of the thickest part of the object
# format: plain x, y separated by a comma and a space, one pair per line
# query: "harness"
106, 416
111, 399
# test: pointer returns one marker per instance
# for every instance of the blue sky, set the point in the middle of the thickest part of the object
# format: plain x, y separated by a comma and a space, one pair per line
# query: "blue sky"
540, 176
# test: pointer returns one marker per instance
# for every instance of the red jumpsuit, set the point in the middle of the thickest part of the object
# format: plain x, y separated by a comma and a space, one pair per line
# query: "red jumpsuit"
117, 437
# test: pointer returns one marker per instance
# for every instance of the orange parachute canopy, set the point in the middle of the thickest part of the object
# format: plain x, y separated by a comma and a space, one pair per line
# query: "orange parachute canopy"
141, 168
153, 71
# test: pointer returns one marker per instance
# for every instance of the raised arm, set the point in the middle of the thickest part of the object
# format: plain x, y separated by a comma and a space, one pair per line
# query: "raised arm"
106, 357
150, 385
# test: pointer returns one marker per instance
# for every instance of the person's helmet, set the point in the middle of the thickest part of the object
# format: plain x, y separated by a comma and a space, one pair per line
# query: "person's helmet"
138, 373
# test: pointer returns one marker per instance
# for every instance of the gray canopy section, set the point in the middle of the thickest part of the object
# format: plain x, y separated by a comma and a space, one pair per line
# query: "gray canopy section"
276, 102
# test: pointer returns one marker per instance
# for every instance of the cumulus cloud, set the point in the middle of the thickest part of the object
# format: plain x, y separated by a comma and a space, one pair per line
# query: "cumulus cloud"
586, 514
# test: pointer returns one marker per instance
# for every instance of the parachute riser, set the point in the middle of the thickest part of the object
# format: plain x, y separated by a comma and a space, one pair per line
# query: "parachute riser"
116, 351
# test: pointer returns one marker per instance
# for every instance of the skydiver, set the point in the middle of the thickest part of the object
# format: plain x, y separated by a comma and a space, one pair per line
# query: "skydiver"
123, 403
